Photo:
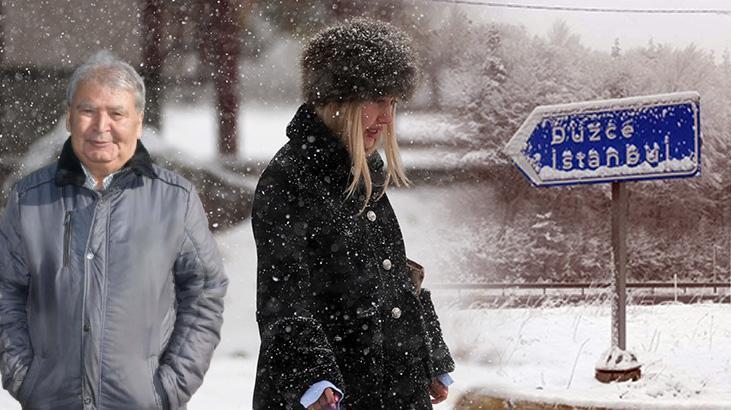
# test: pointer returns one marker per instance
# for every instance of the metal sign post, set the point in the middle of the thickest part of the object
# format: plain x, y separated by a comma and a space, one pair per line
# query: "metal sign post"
627, 139
619, 250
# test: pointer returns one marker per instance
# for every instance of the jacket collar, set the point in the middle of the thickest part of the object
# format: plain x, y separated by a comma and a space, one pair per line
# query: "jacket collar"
69, 166
316, 143
320, 146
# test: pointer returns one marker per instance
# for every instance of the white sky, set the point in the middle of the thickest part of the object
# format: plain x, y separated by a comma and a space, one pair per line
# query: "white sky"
598, 30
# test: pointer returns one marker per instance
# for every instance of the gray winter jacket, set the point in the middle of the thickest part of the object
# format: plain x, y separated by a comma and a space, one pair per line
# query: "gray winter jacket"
108, 300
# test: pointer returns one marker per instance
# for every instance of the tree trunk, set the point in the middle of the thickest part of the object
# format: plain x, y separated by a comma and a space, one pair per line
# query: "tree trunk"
152, 59
226, 29
436, 97
2, 33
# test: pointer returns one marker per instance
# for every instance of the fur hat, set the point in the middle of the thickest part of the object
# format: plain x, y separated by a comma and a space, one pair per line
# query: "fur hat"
361, 60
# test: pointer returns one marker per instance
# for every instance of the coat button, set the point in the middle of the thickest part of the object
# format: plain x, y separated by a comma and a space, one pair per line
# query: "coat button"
387, 264
87, 400
371, 216
89, 256
86, 327
396, 313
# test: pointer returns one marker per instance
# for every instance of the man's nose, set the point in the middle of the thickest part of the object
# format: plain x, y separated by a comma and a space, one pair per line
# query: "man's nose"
102, 121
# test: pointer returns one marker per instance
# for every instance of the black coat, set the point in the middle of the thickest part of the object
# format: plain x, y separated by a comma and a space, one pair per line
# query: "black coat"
334, 298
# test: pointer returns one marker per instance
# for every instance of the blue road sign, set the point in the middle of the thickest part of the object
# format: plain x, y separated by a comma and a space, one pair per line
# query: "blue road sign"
650, 137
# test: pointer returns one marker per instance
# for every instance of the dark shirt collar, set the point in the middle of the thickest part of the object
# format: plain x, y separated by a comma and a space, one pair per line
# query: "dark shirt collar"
320, 145
69, 169
311, 138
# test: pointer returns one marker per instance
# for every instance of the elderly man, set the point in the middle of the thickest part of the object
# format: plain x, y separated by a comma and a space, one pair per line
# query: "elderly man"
111, 286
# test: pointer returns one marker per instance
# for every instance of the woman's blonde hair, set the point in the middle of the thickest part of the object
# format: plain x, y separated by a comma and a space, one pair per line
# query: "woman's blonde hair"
344, 119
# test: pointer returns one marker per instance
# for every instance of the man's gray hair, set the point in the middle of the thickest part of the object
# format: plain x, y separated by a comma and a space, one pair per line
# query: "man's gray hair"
109, 71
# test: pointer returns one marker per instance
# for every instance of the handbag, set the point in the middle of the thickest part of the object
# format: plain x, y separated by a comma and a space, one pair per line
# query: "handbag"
416, 272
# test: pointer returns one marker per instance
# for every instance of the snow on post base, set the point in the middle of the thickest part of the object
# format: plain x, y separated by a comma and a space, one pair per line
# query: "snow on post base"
617, 365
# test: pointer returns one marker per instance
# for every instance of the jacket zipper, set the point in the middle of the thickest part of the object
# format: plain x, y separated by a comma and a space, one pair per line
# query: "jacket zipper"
66, 238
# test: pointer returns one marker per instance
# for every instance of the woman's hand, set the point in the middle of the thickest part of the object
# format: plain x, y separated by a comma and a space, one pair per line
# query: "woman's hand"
327, 401
438, 391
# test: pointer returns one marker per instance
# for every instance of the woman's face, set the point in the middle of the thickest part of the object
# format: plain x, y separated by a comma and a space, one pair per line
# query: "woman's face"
376, 116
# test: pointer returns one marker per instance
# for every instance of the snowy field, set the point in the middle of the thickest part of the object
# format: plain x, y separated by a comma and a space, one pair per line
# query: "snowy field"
549, 355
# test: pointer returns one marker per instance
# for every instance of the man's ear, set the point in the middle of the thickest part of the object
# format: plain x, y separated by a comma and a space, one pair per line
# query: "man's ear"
142, 125
68, 120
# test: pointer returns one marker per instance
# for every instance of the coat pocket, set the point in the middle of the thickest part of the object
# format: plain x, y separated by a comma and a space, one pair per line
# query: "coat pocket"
26, 388
66, 238
152, 365
167, 327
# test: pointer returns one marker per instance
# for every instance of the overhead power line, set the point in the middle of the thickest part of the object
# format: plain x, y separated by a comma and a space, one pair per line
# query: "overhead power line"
585, 9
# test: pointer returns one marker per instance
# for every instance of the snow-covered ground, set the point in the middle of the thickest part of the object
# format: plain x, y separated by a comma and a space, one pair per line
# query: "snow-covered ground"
550, 354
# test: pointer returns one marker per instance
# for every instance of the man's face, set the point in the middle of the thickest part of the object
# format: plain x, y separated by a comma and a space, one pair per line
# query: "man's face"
104, 126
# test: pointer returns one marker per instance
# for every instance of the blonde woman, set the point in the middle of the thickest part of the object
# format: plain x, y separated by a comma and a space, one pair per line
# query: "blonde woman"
343, 321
